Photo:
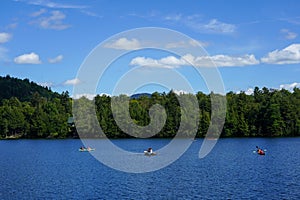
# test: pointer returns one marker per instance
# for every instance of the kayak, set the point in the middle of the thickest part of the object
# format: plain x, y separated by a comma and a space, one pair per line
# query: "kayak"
149, 154
86, 150
261, 153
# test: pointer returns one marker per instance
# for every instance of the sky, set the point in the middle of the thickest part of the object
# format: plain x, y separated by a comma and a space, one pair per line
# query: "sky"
251, 43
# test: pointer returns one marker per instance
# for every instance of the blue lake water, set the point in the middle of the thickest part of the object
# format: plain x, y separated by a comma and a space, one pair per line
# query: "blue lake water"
55, 169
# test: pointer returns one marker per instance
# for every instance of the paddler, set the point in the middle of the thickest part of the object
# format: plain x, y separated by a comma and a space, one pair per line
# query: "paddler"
259, 150
150, 150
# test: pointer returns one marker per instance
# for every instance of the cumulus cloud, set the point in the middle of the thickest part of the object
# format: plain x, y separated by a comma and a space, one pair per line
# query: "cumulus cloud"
167, 62
200, 61
222, 60
5, 37
57, 59
53, 21
290, 87
86, 95
124, 44
74, 81
31, 58
288, 34
289, 55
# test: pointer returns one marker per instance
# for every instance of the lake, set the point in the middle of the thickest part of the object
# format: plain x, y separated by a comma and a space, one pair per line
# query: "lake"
55, 169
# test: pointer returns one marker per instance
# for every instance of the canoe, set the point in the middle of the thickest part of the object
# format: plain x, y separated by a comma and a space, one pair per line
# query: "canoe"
86, 150
149, 154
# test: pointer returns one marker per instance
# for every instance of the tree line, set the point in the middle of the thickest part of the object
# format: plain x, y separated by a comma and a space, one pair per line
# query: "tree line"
37, 118
41, 113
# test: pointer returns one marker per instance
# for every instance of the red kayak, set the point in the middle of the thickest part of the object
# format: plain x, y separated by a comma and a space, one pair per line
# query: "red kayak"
261, 152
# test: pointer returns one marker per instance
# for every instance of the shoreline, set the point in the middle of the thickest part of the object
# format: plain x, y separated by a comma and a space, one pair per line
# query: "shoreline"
133, 138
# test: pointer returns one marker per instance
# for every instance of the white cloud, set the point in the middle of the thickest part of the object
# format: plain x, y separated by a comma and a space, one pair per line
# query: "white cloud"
5, 37
173, 17
89, 13
86, 95
133, 44
38, 13
124, 44
142, 61
219, 27
249, 91
53, 21
288, 34
200, 61
50, 4
31, 58
167, 62
186, 44
289, 55
74, 81
56, 59
222, 60
179, 92
199, 24
46, 84
290, 87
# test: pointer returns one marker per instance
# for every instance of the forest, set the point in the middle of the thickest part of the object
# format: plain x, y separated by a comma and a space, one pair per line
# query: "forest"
28, 110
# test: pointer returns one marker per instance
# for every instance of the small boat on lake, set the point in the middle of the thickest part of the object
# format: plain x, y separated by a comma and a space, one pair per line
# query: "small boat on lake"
83, 149
259, 151
149, 152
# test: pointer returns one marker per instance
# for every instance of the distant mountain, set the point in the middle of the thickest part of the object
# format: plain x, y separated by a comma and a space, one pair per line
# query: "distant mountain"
136, 96
22, 89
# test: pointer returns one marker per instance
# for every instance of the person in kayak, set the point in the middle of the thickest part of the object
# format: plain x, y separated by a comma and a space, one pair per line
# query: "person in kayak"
259, 150
150, 150
82, 148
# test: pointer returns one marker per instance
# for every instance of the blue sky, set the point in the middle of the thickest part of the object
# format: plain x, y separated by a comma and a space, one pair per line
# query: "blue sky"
253, 43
